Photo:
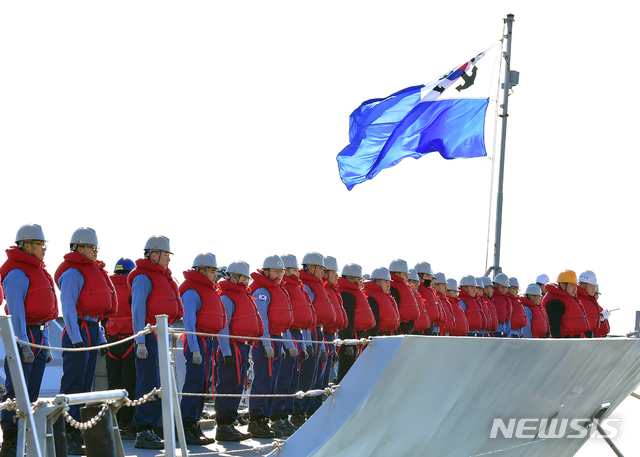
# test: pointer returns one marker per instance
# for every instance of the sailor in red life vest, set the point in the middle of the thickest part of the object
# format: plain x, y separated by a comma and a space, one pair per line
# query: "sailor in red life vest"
203, 313
440, 286
542, 282
537, 322
567, 317
587, 284
404, 297
434, 308
342, 320
330, 284
243, 320
604, 328
360, 317
32, 304
423, 322
121, 359
487, 296
518, 314
383, 306
153, 292
461, 327
304, 319
472, 309
311, 276
275, 309
87, 296
502, 304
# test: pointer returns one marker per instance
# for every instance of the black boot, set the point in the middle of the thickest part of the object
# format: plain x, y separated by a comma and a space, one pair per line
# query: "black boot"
192, 434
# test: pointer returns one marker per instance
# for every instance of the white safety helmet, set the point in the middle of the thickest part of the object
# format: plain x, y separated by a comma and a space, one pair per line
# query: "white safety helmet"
205, 260
158, 243
501, 280
479, 283
513, 282
424, 267
486, 281
452, 284
239, 267
439, 278
330, 263
534, 289
413, 275
290, 261
30, 232
274, 262
399, 265
468, 281
84, 235
352, 269
366, 276
589, 277
313, 258
542, 279
381, 273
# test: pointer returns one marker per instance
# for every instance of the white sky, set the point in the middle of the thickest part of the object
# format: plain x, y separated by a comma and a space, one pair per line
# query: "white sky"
217, 124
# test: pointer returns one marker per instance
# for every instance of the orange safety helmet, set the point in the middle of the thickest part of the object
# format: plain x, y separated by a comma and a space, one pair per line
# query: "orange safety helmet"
568, 276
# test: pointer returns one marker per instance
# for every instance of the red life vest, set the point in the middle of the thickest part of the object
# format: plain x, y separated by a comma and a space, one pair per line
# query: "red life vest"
388, 315
422, 322
341, 321
473, 313
164, 297
211, 318
449, 324
407, 306
591, 307
40, 304
363, 318
279, 312
503, 306
461, 326
491, 313
98, 296
246, 320
518, 316
304, 316
325, 312
435, 311
574, 320
120, 323
603, 330
539, 319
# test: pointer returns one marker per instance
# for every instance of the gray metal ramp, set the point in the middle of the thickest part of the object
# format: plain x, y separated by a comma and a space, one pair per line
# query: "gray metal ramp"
414, 396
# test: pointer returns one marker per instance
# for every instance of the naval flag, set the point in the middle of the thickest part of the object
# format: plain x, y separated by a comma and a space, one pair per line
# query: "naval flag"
446, 115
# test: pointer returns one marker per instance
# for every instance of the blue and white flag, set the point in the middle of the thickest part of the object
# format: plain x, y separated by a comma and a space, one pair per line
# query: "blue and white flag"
446, 115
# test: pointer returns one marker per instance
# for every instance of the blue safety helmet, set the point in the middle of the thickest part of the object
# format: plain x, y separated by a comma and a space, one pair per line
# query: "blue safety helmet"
124, 266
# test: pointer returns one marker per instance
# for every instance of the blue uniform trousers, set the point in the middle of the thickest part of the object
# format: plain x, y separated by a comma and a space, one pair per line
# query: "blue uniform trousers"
79, 368
196, 379
308, 374
290, 365
33, 373
230, 380
148, 414
265, 377
324, 372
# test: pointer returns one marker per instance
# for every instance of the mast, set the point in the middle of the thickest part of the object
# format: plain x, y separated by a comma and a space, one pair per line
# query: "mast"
510, 79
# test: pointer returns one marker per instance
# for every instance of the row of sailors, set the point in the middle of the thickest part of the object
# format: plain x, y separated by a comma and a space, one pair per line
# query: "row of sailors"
311, 302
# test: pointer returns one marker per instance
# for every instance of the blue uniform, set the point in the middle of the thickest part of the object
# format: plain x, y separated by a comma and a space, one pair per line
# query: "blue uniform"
526, 330
79, 368
309, 370
230, 380
147, 414
197, 377
15, 285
